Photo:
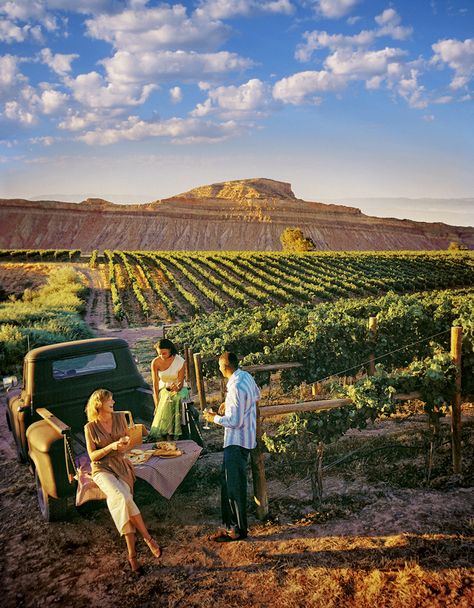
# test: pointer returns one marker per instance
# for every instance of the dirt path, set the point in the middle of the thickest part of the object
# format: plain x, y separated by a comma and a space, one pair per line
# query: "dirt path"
99, 314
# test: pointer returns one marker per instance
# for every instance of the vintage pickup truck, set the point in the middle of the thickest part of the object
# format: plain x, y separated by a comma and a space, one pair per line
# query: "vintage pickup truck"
46, 415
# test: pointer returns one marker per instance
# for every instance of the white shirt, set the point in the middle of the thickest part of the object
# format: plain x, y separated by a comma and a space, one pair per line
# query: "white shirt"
240, 418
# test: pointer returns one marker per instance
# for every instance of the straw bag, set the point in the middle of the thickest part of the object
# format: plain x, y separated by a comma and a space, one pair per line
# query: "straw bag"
136, 432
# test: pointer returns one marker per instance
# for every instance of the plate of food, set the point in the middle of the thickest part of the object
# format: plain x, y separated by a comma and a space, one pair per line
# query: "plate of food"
138, 458
168, 453
166, 446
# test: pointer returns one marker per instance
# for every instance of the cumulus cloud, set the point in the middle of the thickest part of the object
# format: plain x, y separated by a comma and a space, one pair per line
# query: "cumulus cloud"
321, 39
14, 111
164, 27
59, 63
176, 94
389, 25
334, 9
226, 9
125, 67
10, 76
10, 32
459, 56
362, 64
27, 10
93, 91
304, 87
250, 100
409, 89
389, 22
52, 101
179, 130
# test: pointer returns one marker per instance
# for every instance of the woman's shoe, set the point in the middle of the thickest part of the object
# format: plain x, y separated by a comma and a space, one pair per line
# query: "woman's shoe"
134, 565
153, 546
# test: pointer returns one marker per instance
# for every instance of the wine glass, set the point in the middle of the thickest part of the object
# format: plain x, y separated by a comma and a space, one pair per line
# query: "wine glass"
206, 426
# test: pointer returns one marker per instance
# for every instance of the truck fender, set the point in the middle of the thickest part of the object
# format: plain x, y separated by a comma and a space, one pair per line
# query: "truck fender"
46, 451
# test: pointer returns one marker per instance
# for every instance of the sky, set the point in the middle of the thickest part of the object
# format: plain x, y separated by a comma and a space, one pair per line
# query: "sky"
135, 100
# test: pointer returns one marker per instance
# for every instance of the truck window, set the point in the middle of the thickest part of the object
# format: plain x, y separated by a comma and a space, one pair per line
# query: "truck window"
65, 369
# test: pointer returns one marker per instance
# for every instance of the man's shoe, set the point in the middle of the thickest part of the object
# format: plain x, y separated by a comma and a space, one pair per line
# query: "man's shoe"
226, 536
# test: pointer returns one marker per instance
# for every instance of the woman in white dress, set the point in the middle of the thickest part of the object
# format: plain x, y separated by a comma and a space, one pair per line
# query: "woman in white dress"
167, 370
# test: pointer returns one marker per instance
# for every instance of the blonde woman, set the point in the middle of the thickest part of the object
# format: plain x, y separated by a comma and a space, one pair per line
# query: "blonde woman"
107, 442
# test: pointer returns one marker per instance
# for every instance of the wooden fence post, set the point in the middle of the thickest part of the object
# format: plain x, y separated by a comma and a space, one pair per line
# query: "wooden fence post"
456, 349
372, 334
191, 375
200, 380
222, 385
260, 494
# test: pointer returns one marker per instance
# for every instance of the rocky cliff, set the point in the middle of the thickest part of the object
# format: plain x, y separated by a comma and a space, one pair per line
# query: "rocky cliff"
245, 214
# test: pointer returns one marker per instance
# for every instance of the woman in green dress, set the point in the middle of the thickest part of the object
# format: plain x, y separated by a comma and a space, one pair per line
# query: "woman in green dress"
167, 370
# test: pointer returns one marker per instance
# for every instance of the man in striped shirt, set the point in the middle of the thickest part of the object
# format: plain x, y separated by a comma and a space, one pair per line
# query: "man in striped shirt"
239, 420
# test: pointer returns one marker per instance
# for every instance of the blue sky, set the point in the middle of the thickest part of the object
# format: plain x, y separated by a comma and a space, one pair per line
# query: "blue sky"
135, 100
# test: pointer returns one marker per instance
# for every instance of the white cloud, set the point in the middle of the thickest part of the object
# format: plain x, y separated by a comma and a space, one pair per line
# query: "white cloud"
389, 22
14, 111
443, 99
164, 27
303, 87
78, 121
409, 89
92, 91
459, 56
52, 101
319, 40
362, 64
179, 130
10, 76
226, 9
46, 140
250, 100
176, 94
10, 33
161, 66
27, 10
334, 9
59, 63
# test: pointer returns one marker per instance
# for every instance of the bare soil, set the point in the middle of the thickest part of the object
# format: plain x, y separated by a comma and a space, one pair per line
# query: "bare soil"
16, 277
371, 543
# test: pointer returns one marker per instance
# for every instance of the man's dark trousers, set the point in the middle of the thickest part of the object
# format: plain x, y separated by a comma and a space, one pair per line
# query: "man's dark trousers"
234, 488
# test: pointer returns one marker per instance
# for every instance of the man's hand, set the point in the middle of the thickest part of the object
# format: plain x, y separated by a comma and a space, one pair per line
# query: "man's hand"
221, 410
208, 415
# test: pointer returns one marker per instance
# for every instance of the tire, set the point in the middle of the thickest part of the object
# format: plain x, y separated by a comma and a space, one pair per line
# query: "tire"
52, 509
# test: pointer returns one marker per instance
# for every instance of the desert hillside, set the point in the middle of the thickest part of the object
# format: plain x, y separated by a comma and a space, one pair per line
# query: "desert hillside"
245, 214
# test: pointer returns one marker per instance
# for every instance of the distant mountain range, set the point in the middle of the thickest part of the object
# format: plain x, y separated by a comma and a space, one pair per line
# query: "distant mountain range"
245, 214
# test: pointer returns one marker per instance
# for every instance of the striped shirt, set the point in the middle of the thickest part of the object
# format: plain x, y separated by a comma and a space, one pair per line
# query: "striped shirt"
240, 418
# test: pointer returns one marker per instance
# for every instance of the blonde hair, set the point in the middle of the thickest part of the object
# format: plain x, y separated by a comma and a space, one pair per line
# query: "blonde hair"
95, 403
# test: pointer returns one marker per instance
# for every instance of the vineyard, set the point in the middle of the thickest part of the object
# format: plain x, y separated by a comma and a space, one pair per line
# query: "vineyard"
361, 496
172, 286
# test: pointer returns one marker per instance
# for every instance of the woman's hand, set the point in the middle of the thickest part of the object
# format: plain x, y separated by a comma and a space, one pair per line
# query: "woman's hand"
121, 445
175, 387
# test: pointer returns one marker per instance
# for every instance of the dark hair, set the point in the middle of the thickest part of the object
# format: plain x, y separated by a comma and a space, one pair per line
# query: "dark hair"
165, 343
231, 360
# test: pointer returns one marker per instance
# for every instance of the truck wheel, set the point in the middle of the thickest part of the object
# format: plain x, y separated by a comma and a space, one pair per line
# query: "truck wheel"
52, 509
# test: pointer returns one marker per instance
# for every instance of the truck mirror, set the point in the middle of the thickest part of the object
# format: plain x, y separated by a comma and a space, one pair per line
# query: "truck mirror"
9, 382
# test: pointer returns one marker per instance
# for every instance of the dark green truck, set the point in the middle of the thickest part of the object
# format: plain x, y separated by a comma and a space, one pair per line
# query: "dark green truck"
46, 415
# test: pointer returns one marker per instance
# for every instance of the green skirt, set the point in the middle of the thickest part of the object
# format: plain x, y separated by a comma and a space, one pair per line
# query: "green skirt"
167, 420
